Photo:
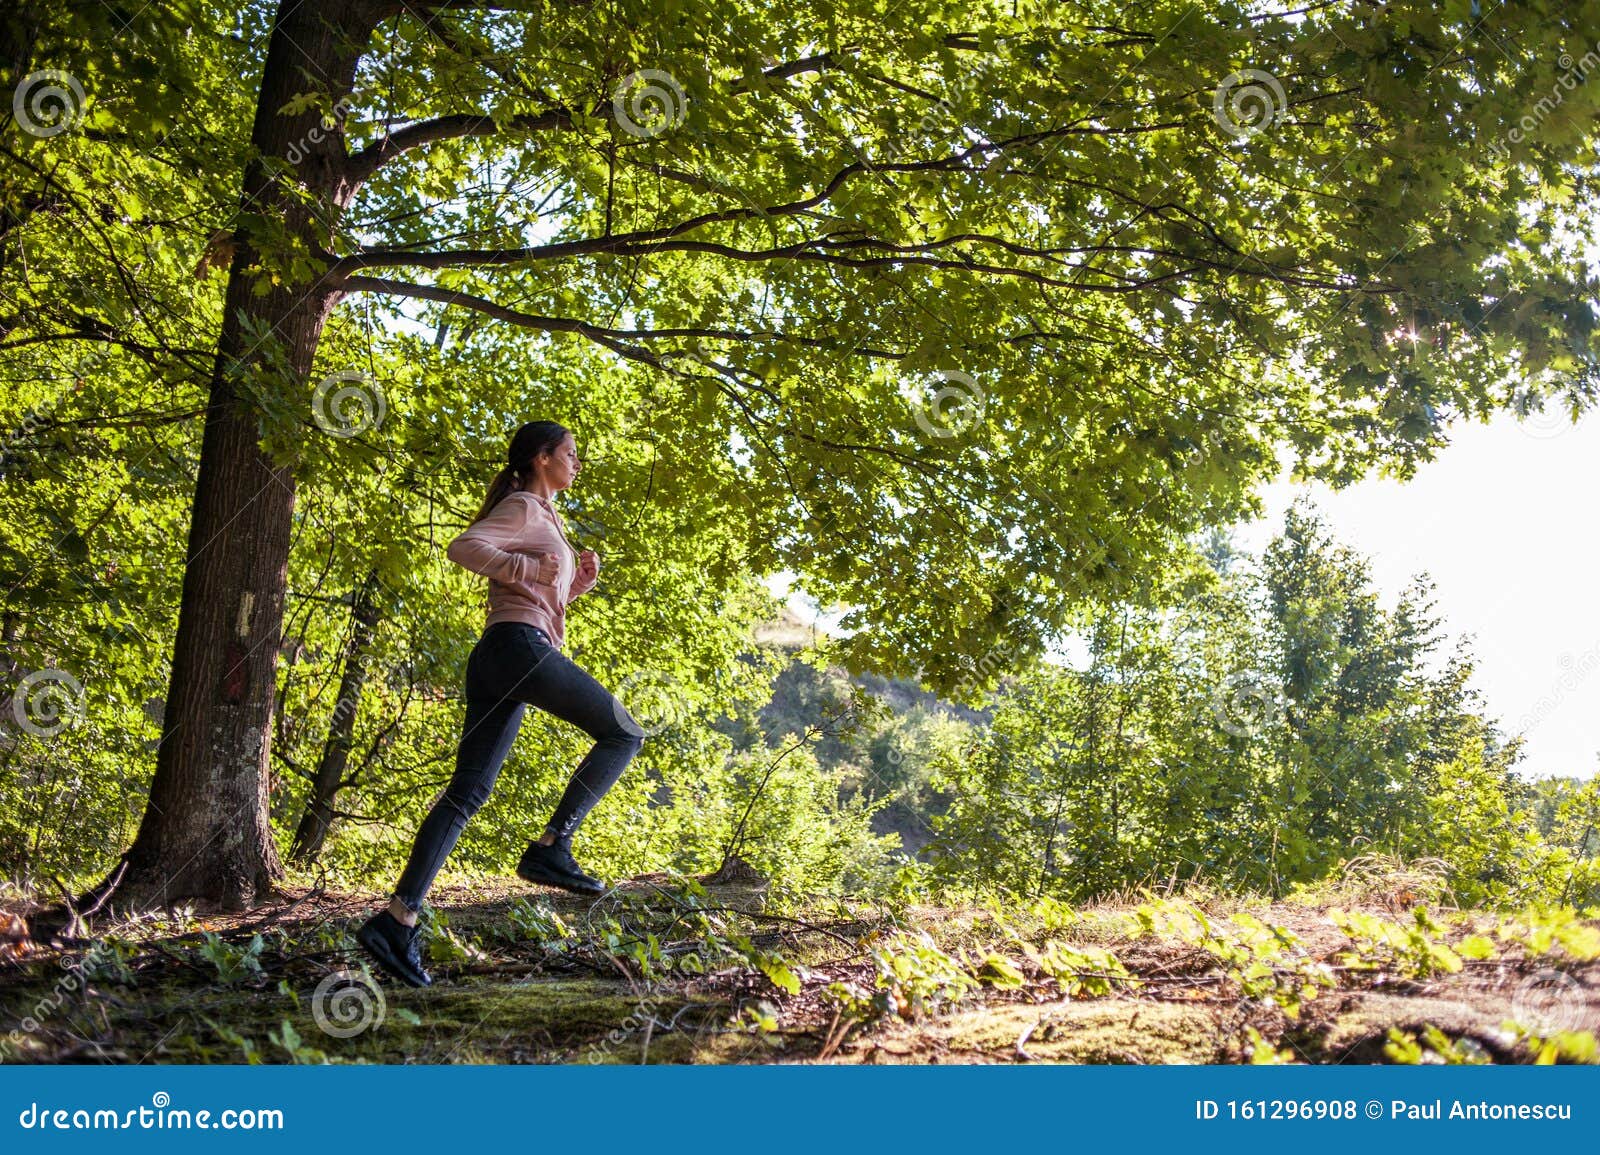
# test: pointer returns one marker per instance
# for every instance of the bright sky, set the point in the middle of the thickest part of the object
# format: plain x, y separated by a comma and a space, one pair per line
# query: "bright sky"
1502, 520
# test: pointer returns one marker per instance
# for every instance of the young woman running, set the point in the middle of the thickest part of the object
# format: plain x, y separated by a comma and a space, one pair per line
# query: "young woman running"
519, 542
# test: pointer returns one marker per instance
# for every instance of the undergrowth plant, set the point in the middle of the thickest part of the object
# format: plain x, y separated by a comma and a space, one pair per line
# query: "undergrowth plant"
1263, 960
1413, 950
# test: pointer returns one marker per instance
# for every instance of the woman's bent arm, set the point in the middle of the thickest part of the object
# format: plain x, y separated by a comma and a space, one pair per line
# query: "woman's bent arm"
481, 547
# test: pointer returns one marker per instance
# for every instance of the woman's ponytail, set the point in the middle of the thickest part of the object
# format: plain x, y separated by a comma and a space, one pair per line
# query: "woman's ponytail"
504, 483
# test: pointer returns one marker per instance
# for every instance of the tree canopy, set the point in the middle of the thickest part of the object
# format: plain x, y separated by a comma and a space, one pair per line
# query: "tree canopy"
970, 314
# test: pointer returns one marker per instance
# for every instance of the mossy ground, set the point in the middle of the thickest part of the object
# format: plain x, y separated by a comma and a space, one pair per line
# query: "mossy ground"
503, 994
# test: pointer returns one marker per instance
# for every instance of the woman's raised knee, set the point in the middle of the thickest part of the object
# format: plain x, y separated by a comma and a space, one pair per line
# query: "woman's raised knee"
621, 728
629, 735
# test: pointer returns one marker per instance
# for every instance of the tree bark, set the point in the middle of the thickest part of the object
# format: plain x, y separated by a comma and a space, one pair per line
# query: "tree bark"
206, 832
314, 823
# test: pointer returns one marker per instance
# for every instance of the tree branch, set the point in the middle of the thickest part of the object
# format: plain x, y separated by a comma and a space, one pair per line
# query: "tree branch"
594, 332
361, 165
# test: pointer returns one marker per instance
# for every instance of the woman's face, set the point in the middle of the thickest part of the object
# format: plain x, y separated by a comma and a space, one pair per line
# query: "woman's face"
563, 466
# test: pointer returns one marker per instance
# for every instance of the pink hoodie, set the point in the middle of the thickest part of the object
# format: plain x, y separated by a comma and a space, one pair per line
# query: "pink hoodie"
506, 547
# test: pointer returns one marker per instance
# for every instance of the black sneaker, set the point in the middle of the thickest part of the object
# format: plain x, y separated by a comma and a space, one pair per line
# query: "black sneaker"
396, 947
554, 866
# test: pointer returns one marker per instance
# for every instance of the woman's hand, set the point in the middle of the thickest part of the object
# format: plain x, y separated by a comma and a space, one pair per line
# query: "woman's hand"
588, 567
549, 568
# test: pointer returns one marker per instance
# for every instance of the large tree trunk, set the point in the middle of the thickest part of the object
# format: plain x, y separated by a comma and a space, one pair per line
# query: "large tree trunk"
206, 832
313, 829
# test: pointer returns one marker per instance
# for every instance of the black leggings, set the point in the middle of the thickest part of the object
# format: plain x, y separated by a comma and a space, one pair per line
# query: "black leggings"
513, 666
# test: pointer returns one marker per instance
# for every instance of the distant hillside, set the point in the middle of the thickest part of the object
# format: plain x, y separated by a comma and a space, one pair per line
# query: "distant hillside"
887, 763
788, 632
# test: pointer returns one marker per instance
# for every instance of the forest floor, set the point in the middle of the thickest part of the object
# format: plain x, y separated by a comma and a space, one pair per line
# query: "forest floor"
662, 970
